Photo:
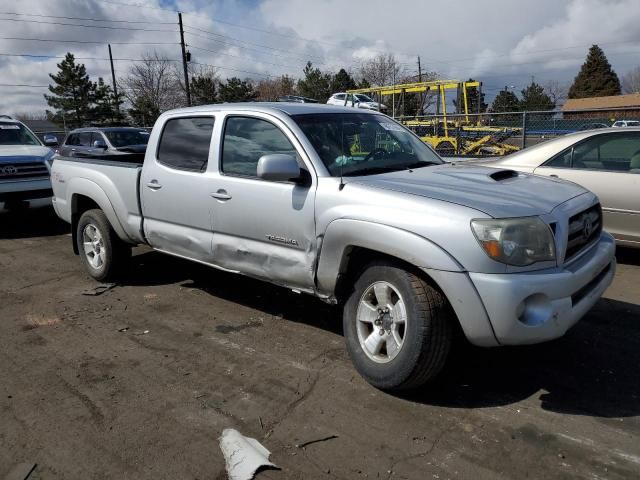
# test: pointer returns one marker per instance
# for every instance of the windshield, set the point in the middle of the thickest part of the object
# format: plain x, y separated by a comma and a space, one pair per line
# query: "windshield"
123, 138
364, 98
363, 144
633, 124
16, 134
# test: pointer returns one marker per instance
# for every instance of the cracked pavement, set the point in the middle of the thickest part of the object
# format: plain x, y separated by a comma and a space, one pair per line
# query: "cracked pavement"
85, 393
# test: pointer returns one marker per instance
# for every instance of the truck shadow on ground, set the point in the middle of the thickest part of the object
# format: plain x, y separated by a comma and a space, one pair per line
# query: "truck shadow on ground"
593, 370
35, 220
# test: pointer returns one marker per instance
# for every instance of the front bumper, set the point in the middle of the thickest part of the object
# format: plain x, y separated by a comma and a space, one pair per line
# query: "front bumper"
25, 189
537, 306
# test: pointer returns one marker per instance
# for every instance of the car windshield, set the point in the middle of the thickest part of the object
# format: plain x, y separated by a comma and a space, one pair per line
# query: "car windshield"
123, 138
633, 124
364, 144
16, 134
364, 98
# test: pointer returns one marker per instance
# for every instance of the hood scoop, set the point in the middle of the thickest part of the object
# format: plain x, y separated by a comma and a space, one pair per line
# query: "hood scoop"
501, 175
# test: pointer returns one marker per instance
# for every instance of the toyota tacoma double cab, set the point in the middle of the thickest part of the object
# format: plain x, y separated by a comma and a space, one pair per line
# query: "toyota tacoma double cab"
351, 207
24, 163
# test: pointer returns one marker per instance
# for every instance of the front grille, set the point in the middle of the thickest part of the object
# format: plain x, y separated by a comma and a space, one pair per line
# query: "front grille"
584, 229
23, 171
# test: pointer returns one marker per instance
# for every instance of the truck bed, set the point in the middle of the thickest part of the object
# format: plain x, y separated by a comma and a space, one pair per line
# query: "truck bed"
111, 182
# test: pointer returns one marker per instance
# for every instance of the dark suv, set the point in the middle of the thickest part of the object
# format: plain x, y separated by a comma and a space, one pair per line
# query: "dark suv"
92, 142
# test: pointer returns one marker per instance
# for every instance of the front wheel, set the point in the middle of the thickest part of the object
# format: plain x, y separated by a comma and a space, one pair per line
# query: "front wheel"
102, 252
398, 328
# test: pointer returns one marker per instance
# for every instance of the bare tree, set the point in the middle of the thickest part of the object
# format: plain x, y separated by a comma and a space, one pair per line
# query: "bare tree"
272, 88
382, 70
631, 81
151, 87
557, 91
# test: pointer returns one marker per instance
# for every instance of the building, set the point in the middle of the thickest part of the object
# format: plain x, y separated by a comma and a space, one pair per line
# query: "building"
616, 107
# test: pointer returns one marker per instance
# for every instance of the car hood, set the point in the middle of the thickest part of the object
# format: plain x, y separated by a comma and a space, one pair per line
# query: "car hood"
500, 193
24, 153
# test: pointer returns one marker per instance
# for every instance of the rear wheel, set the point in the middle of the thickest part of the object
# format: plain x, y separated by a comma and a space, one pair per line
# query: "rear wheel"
102, 252
398, 328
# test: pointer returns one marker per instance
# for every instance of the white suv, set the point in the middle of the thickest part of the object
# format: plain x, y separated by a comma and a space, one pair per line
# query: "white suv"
357, 100
626, 123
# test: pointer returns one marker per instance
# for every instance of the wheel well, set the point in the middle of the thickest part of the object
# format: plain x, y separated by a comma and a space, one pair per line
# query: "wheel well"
79, 205
354, 260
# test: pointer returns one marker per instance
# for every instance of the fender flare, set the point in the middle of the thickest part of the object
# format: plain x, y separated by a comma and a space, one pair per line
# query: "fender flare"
343, 234
90, 189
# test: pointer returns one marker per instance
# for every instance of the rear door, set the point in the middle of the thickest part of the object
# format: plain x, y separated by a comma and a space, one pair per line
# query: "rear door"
605, 164
263, 228
175, 188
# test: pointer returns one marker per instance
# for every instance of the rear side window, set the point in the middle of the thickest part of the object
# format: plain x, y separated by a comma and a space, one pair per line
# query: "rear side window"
185, 143
246, 140
84, 139
72, 140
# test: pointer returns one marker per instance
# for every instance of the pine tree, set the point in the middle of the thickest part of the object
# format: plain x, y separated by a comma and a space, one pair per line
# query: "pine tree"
342, 82
203, 90
596, 77
106, 108
474, 95
535, 98
71, 95
236, 90
315, 84
505, 101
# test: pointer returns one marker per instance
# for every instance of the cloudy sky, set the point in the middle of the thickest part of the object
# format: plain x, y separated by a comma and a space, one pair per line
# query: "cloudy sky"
500, 42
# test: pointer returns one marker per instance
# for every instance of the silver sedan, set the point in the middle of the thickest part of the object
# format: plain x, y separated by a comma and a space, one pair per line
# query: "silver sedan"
606, 161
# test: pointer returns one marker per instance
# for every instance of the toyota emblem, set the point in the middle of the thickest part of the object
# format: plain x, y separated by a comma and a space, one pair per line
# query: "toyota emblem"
9, 170
587, 227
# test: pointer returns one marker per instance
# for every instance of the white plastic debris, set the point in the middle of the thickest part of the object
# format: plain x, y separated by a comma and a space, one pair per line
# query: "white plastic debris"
243, 455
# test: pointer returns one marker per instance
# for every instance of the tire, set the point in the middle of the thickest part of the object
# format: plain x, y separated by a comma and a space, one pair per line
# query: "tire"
109, 254
424, 338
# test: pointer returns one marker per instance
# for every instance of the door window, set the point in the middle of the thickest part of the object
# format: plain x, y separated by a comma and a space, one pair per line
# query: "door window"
72, 140
84, 139
614, 152
185, 143
96, 136
247, 139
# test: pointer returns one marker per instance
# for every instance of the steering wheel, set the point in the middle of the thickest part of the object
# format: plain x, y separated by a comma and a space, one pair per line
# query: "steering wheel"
373, 153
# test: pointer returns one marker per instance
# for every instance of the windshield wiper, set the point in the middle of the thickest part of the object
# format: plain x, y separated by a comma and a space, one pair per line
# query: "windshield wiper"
414, 165
372, 171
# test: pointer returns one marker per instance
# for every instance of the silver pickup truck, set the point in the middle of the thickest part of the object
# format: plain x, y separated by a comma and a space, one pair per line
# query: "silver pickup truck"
351, 207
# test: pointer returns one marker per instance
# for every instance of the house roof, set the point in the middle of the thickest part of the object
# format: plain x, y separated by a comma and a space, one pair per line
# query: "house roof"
602, 103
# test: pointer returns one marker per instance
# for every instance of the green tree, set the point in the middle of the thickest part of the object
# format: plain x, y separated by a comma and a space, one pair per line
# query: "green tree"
474, 96
203, 90
596, 77
315, 84
236, 90
535, 98
342, 82
505, 101
71, 95
144, 111
106, 108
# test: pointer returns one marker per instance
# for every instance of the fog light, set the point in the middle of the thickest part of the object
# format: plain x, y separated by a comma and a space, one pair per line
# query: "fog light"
534, 310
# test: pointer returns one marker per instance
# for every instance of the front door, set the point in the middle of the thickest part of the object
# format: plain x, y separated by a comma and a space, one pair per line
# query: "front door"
262, 228
605, 165
175, 187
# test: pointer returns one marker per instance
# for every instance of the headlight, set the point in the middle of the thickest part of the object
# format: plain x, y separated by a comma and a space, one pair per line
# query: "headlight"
515, 241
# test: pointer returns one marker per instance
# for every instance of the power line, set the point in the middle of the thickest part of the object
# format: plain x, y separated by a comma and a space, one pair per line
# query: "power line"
233, 69
31, 55
22, 85
240, 56
87, 41
86, 18
85, 26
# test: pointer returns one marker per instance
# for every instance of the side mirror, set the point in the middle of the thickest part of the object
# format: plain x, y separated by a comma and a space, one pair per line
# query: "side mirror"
100, 144
51, 141
278, 168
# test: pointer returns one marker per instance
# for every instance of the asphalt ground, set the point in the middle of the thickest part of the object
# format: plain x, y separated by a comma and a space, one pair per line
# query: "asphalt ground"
140, 381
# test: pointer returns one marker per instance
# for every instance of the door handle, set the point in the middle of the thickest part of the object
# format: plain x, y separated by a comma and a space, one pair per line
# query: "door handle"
154, 185
554, 175
221, 195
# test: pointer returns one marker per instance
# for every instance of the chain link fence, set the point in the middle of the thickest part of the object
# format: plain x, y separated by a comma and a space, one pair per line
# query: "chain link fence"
496, 134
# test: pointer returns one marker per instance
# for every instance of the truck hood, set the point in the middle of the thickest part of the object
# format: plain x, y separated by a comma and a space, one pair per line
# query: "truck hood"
24, 153
500, 193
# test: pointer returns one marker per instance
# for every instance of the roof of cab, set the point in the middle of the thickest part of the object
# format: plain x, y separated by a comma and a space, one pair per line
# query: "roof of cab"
279, 107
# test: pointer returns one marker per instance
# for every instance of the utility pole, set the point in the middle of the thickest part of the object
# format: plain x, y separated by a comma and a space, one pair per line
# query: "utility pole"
184, 61
421, 93
113, 79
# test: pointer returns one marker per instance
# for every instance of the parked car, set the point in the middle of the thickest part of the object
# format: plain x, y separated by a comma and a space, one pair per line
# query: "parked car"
626, 123
24, 163
350, 206
296, 99
606, 161
357, 100
107, 141
593, 126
